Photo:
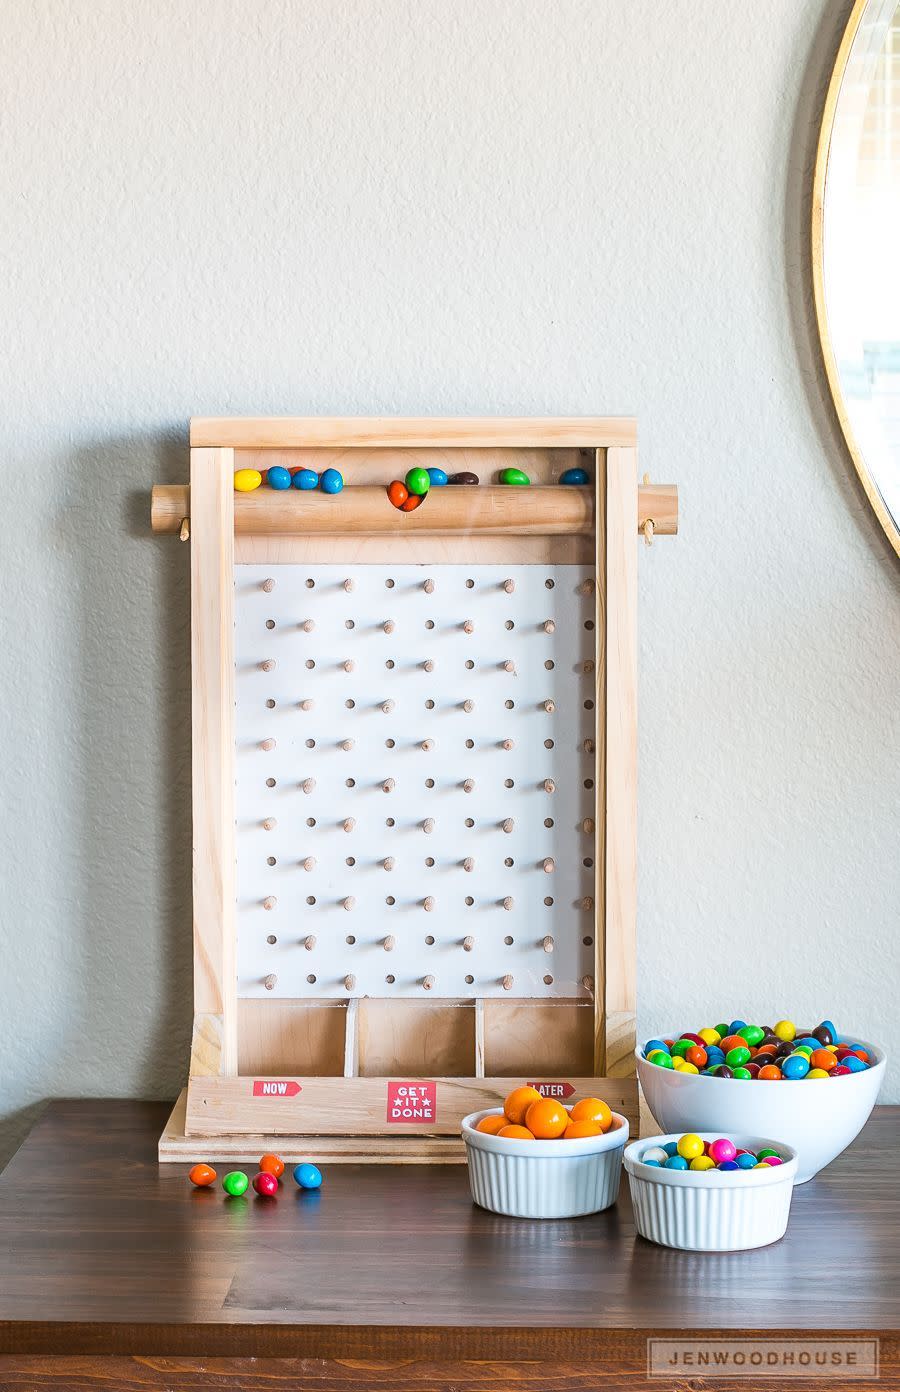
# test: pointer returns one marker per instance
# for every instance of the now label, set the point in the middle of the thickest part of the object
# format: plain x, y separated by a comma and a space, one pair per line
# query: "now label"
411, 1102
275, 1087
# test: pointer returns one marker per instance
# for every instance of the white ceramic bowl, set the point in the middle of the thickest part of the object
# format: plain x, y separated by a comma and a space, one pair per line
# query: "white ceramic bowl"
713, 1210
819, 1119
544, 1179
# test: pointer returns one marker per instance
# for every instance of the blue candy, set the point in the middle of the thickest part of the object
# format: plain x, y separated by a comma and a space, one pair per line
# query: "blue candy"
809, 1041
330, 482
829, 1025
670, 1147
855, 1064
729, 1165
794, 1066
574, 476
279, 478
737, 1025
438, 477
745, 1162
676, 1162
654, 1044
714, 1055
307, 1176
306, 478
655, 1163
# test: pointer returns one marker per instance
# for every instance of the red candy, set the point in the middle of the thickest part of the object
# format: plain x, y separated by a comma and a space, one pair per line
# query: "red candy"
265, 1184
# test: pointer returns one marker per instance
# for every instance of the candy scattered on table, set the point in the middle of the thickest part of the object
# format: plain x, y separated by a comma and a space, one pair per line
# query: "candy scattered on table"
308, 1176
235, 1183
515, 477
691, 1153
749, 1052
265, 1184
272, 1164
202, 1175
529, 1116
574, 476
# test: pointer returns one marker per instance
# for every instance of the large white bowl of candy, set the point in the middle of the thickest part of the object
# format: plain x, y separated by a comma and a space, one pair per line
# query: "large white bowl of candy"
705, 1192
722, 1076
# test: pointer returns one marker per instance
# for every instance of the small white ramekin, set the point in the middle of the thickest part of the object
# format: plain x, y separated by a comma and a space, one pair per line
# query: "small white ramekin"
711, 1210
544, 1179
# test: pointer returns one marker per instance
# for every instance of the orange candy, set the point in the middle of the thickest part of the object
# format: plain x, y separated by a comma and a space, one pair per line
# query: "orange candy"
272, 1164
492, 1124
201, 1175
733, 1041
398, 493
546, 1119
413, 501
515, 1133
521, 1098
823, 1058
576, 1130
769, 1073
593, 1109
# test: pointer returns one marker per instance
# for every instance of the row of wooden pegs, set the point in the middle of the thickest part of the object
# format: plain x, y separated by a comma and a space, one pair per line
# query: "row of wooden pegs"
429, 903
507, 664
508, 586
428, 825
427, 983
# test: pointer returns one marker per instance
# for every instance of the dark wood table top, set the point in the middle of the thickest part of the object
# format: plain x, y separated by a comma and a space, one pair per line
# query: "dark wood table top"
105, 1251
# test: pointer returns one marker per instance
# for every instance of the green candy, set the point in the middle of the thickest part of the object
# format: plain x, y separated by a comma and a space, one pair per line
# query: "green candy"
681, 1046
753, 1034
764, 1154
662, 1060
418, 481
235, 1183
736, 1057
803, 1049
743, 1073
514, 476
722, 1031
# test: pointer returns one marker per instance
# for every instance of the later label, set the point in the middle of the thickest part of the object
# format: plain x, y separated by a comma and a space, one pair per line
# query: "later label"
562, 1090
411, 1102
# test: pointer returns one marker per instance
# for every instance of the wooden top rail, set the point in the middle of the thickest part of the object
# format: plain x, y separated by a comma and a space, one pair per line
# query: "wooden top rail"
364, 510
417, 432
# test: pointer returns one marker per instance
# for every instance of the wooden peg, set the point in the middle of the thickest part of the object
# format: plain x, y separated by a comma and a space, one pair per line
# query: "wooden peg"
308, 785
388, 863
307, 704
269, 981
588, 983
428, 904
586, 587
347, 745
268, 665
389, 943
269, 823
506, 982
548, 706
548, 865
509, 666
269, 902
348, 664
548, 785
428, 825
587, 903
507, 825
508, 744
588, 665
349, 903
267, 745
547, 943
349, 586
587, 826
469, 626
388, 626
507, 903
388, 785
184, 531
469, 864
647, 529
268, 585
468, 785
589, 746
308, 625
348, 823
468, 943
309, 863
388, 706
428, 586
349, 982
309, 942
427, 745
468, 707
509, 586
548, 626
427, 983
428, 665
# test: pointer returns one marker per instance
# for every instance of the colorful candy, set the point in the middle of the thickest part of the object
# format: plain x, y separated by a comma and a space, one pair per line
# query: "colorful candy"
418, 481
464, 477
245, 480
306, 479
330, 482
265, 1184
397, 493
750, 1052
438, 478
413, 501
689, 1152
202, 1175
576, 476
278, 478
235, 1183
308, 1176
515, 477
272, 1164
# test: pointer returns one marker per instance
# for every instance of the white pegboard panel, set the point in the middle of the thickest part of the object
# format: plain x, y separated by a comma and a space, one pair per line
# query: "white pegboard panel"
335, 654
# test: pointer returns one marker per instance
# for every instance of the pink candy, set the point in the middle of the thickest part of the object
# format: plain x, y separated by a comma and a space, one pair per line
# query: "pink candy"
722, 1149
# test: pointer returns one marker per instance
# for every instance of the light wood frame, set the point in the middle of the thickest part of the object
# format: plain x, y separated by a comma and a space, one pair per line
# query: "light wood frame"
488, 1044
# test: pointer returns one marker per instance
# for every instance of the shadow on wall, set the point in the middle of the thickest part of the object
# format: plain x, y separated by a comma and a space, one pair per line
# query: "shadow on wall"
799, 281
122, 991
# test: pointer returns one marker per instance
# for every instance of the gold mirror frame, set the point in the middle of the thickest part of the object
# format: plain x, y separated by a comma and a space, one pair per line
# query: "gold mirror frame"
888, 522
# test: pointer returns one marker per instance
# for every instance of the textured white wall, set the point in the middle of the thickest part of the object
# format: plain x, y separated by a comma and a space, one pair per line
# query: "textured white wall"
444, 206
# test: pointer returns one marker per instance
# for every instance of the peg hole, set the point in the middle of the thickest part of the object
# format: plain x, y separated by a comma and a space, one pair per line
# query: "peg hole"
470, 980
509, 624
311, 979
548, 980
351, 860
587, 863
549, 664
310, 583
271, 940
548, 743
270, 704
350, 703
469, 901
350, 783
349, 623
388, 584
589, 782
310, 899
510, 705
429, 623
549, 901
390, 664
270, 860
509, 941
588, 942
310, 663
509, 783
470, 744
589, 624
429, 782
470, 584
390, 901
390, 980
270, 623
589, 705
469, 822
310, 821
549, 584
509, 862
310, 744
429, 861
350, 940
389, 821
469, 664
548, 821
429, 941
270, 782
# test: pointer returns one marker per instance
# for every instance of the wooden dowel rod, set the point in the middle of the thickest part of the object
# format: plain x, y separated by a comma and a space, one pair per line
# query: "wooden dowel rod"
364, 510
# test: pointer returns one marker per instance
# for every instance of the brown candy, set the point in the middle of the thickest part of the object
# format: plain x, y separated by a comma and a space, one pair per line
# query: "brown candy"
463, 478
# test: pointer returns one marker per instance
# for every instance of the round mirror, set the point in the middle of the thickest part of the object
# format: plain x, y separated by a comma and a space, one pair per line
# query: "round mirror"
856, 249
